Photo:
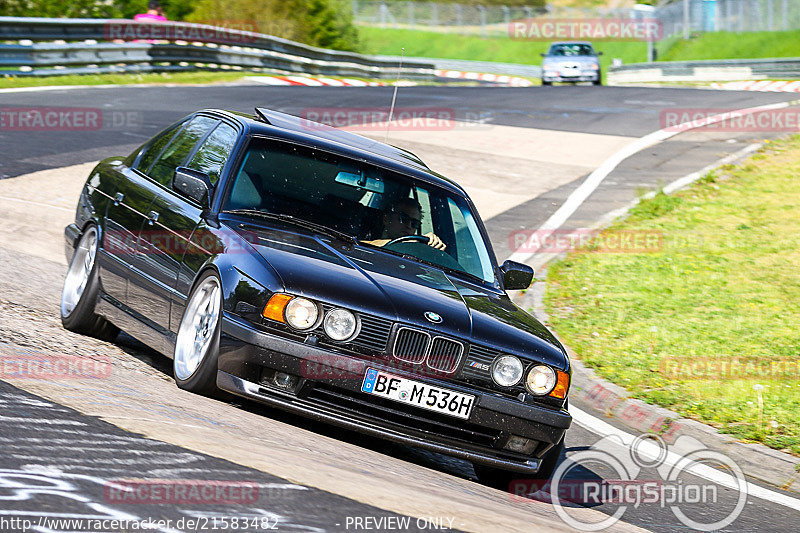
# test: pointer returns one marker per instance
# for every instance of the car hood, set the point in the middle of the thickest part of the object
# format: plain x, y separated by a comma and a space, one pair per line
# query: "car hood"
370, 281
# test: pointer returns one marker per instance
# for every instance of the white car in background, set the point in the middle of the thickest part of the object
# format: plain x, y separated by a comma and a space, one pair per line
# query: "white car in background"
571, 61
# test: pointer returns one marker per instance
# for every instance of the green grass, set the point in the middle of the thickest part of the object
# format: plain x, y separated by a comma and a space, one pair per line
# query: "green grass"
499, 49
721, 45
722, 291
123, 79
725, 45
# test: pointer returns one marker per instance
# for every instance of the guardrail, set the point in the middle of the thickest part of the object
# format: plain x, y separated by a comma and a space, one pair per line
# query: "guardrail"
489, 67
706, 70
173, 46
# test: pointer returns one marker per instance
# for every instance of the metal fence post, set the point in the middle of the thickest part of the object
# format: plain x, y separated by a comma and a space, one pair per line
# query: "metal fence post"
411, 21
482, 11
686, 20
770, 16
434, 14
741, 15
785, 17
459, 18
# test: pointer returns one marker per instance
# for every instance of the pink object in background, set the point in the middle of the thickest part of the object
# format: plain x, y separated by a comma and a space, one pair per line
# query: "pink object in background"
150, 16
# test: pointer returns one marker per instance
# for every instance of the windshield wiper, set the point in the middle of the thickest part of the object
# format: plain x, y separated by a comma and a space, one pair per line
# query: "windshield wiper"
445, 269
313, 226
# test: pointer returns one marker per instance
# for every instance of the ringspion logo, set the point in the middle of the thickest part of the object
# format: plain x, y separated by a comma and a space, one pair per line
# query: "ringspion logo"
699, 505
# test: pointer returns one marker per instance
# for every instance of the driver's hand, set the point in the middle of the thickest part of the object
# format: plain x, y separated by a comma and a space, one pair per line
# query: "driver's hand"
435, 241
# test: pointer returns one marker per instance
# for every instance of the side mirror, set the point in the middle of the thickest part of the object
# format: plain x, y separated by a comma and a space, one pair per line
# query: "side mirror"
516, 276
193, 184
542, 54
599, 53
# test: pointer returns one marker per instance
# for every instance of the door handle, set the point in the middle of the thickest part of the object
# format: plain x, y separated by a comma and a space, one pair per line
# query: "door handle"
118, 198
152, 217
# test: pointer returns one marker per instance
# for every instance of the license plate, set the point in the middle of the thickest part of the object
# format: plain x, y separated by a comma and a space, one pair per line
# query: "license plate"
412, 392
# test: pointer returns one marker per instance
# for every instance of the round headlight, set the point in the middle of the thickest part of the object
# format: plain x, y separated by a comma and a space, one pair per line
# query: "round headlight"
541, 380
301, 313
340, 324
507, 371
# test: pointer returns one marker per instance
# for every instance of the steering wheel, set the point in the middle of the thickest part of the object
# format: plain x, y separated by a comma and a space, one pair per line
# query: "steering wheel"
411, 238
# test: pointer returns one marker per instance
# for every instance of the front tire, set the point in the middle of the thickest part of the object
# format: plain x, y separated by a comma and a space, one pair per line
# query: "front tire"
502, 479
197, 343
81, 287
547, 83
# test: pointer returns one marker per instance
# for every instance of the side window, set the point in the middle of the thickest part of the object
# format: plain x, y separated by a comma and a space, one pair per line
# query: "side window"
179, 149
150, 152
214, 152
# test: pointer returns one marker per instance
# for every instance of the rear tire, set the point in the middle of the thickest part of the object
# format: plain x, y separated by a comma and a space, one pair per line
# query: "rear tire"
502, 479
81, 287
197, 343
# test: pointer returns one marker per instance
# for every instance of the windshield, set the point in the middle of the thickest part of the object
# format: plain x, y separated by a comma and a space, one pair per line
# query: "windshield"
571, 50
378, 207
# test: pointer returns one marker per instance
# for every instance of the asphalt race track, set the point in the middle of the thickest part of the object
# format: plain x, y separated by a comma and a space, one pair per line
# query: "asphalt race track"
58, 456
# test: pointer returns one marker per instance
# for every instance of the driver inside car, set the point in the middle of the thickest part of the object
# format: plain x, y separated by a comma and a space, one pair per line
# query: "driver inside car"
404, 218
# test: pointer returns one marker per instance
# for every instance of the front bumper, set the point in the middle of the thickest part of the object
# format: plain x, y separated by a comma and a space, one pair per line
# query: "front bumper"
330, 391
594, 76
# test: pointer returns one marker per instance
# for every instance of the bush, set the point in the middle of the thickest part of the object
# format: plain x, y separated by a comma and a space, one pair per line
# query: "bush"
323, 23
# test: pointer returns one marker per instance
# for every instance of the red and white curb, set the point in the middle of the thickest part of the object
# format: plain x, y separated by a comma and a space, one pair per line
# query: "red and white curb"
308, 81
512, 81
761, 86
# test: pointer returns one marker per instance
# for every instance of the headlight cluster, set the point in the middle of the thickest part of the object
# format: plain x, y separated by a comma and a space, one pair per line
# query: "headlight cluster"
541, 380
301, 313
304, 314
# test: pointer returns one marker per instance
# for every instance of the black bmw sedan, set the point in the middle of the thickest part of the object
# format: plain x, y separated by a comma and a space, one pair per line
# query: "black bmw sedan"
323, 273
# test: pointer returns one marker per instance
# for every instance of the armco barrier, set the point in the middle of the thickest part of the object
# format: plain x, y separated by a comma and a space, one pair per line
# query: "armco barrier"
488, 67
711, 70
77, 49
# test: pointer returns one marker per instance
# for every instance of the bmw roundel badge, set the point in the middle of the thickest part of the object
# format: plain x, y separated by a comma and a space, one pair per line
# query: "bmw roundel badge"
433, 317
